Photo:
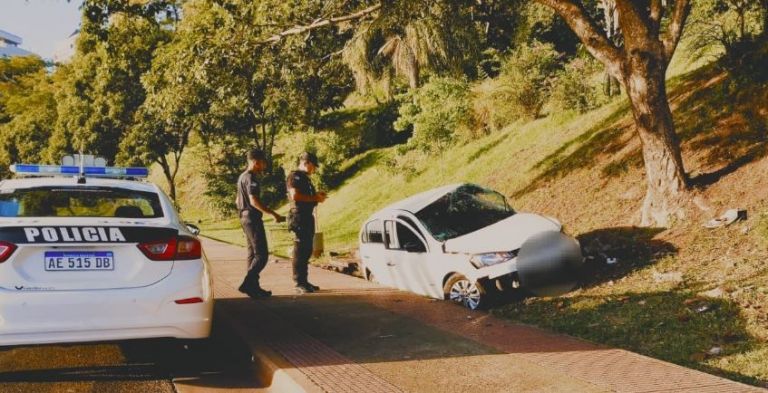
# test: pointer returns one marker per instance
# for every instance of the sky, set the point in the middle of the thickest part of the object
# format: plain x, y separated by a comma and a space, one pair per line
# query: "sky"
42, 24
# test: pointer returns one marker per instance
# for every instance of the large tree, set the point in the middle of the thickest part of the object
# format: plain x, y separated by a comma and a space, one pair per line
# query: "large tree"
27, 110
650, 40
98, 100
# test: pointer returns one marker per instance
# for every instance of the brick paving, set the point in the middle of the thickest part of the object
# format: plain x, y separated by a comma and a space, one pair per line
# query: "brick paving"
570, 364
325, 367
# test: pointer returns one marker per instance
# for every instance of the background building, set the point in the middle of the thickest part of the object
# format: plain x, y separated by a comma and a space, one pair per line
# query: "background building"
9, 45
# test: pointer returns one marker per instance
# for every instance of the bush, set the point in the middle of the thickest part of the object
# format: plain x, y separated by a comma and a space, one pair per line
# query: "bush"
365, 127
406, 162
745, 63
227, 160
378, 127
577, 86
438, 113
520, 90
491, 106
330, 148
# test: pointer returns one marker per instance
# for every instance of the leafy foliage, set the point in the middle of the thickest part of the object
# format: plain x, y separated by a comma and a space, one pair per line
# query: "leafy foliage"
738, 31
439, 113
102, 92
577, 86
413, 38
27, 110
331, 149
521, 89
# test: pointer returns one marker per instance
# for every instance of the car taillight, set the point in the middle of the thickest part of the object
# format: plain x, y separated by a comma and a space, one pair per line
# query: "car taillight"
6, 249
188, 248
164, 250
175, 248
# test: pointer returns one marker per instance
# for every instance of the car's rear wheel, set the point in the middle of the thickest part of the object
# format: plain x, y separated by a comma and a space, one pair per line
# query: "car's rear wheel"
469, 294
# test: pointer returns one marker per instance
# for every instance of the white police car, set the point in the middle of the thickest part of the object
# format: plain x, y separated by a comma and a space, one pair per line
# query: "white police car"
464, 243
88, 255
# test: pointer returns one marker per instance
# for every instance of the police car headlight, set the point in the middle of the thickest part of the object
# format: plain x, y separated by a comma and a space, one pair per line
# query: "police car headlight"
492, 258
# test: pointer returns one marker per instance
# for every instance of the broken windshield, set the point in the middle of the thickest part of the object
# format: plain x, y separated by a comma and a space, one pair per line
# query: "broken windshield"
465, 210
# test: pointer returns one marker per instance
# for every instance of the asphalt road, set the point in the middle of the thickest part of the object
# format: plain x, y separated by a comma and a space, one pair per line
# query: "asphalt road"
145, 366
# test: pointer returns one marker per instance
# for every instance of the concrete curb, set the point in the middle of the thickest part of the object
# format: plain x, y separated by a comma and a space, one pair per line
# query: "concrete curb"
269, 366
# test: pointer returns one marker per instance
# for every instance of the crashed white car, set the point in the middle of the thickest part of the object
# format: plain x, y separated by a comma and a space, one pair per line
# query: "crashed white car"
464, 243
84, 258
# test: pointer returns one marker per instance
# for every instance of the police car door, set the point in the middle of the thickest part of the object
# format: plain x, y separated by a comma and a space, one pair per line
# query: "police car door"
407, 257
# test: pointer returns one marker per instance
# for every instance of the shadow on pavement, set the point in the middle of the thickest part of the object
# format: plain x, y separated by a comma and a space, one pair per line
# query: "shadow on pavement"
153, 359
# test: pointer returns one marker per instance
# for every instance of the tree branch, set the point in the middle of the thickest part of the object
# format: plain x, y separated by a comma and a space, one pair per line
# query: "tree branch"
322, 23
679, 16
585, 28
657, 12
635, 23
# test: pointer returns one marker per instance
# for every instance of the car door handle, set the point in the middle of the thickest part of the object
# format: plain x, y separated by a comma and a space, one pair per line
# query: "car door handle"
366, 257
390, 264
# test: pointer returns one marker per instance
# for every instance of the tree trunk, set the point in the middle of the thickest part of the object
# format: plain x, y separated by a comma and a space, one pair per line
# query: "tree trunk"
169, 177
764, 6
665, 173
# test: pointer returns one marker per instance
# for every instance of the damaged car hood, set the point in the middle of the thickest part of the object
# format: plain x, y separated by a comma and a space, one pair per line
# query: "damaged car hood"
505, 235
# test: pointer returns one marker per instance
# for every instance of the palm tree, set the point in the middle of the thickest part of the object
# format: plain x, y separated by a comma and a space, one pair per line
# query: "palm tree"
379, 50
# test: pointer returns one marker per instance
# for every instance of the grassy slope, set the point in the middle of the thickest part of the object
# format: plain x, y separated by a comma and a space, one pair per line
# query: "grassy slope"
586, 170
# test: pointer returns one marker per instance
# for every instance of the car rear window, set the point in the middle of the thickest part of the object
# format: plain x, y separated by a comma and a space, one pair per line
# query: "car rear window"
79, 202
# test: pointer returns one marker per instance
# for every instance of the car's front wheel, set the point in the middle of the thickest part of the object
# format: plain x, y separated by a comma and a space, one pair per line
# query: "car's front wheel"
461, 290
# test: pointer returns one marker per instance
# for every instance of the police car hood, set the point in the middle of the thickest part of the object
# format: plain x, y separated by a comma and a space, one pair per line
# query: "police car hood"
506, 235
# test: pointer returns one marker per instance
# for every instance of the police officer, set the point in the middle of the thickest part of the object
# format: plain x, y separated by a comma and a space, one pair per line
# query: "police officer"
303, 198
251, 210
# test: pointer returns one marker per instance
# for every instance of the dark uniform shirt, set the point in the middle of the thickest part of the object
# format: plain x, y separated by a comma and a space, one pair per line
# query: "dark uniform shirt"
248, 185
300, 181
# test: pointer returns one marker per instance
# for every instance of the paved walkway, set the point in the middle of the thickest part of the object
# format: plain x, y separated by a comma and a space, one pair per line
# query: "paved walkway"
354, 336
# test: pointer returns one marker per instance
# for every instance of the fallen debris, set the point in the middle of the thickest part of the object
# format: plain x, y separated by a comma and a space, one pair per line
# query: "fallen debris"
347, 267
714, 351
713, 293
728, 218
668, 277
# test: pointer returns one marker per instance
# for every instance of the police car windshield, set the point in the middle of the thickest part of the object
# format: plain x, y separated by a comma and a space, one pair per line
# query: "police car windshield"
465, 210
79, 202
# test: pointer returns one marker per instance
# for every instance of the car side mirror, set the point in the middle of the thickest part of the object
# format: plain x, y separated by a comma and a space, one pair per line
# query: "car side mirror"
193, 228
413, 247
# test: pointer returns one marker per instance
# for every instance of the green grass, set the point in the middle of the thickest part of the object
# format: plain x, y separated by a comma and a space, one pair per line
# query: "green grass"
669, 325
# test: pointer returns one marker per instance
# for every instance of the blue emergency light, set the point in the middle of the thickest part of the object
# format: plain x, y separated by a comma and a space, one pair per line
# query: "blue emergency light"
88, 171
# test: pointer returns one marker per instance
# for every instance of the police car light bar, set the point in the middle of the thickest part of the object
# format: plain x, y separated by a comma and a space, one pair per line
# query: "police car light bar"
88, 171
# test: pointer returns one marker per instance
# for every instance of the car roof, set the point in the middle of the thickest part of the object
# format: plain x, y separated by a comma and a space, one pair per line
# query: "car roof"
32, 182
421, 200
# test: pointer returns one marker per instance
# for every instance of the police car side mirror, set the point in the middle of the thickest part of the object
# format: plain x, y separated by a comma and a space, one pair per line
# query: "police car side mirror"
193, 228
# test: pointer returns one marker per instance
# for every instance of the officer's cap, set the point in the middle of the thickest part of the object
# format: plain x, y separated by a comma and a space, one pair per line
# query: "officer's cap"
309, 157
